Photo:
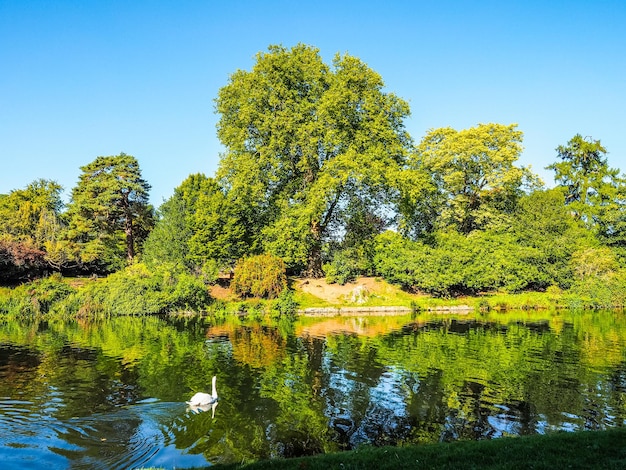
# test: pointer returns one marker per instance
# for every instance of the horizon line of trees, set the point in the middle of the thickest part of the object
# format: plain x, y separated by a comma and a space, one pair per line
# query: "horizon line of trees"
320, 173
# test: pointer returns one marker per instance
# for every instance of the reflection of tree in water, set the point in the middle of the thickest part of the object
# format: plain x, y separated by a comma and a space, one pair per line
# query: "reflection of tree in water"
365, 401
258, 346
468, 414
282, 394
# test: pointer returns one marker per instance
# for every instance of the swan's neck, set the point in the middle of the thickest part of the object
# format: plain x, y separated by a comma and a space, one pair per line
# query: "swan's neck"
214, 390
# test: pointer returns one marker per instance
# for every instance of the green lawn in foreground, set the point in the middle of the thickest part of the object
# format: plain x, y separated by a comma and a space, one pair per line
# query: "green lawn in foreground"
582, 450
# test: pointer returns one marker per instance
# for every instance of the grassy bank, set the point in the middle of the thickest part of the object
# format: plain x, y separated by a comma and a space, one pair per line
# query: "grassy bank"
137, 291
313, 294
582, 450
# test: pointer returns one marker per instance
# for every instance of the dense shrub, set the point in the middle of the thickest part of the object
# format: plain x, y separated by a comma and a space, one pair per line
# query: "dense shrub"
599, 282
137, 290
285, 306
341, 270
261, 276
466, 264
35, 298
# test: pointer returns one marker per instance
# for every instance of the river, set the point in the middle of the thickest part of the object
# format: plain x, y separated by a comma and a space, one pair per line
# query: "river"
111, 393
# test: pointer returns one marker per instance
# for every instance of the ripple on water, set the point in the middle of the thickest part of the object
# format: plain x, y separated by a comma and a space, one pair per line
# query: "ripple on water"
128, 437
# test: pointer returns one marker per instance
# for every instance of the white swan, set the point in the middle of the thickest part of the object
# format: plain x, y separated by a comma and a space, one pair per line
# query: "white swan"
203, 399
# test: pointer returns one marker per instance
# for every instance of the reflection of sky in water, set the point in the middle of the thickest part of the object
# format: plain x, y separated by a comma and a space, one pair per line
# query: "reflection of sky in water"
76, 408
137, 436
362, 413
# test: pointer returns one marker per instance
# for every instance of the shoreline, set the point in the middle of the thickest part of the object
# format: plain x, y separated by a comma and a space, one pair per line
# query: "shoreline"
319, 312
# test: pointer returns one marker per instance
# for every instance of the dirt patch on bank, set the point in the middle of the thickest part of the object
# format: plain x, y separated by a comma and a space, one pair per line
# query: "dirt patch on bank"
334, 293
331, 293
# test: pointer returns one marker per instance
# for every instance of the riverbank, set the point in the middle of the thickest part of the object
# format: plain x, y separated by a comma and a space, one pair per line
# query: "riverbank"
137, 291
580, 450
374, 296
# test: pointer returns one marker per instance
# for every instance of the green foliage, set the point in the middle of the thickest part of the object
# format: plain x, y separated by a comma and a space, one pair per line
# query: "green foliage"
476, 182
611, 226
285, 305
210, 272
594, 193
548, 235
35, 298
218, 231
109, 216
343, 268
532, 251
584, 172
31, 231
168, 242
31, 214
199, 228
599, 281
459, 264
303, 141
136, 290
261, 276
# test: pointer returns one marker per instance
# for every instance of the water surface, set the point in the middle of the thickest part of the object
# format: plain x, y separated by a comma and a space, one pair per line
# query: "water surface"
111, 394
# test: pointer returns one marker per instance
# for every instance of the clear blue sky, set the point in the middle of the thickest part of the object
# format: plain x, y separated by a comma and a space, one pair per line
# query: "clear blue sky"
79, 79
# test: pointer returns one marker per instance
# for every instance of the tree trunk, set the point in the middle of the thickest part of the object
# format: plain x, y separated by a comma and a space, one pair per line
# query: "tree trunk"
314, 268
130, 239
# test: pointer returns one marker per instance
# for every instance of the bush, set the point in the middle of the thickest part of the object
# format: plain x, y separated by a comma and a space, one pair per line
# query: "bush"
602, 291
462, 264
261, 276
37, 297
137, 290
285, 305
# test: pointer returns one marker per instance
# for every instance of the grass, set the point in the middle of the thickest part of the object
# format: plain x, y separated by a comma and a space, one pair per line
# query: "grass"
582, 450
306, 300
389, 295
380, 294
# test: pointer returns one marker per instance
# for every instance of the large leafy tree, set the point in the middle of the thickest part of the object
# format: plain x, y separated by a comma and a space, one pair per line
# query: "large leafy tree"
474, 176
168, 243
302, 140
611, 227
109, 215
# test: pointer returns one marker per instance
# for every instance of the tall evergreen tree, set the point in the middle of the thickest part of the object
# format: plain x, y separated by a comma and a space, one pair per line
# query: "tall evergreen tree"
109, 215
584, 172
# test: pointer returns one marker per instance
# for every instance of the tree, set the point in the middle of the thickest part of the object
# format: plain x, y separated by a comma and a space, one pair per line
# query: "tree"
197, 225
168, 242
32, 229
544, 228
302, 139
219, 231
32, 213
611, 228
585, 173
109, 215
474, 175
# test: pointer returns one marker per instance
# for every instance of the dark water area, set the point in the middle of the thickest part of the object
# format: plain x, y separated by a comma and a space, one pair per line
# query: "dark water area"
111, 393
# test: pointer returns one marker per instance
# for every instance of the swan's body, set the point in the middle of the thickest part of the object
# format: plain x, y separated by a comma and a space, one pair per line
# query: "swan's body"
203, 399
